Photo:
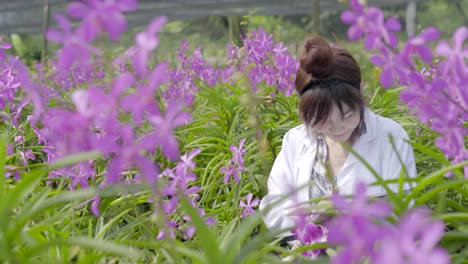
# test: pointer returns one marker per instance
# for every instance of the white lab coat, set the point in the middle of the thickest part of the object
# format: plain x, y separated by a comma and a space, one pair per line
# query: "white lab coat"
293, 166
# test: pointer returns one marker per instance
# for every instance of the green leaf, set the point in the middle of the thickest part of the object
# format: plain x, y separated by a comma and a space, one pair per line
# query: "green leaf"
454, 217
433, 193
431, 153
74, 159
233, 242
17, 195
4, 210
2, 165
194, 255
433, 178
108, 225
455, 235
104, 246
26, 212
207, 237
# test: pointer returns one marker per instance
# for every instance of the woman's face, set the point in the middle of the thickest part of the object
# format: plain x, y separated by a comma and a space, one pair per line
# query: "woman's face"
339, 127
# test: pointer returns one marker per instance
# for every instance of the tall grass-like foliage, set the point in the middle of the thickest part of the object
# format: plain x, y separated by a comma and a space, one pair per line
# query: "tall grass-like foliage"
130, 160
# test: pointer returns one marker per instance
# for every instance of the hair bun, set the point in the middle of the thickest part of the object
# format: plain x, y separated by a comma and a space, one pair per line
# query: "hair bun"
317, 57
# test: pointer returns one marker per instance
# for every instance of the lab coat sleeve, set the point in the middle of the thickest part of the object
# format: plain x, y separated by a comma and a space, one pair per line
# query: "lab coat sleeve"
276, 206
394, 167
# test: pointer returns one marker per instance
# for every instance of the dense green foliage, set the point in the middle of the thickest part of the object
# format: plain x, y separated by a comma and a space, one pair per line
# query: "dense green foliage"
46, 223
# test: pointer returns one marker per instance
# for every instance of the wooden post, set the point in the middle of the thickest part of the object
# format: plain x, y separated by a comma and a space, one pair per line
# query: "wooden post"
230, 29
316, 16
411, 18
45, 27
234, 30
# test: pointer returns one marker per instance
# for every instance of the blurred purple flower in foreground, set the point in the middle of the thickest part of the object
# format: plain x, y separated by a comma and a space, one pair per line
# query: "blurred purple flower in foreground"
145, 43
164, 126
414, 241
75, 47
370, 23
117, 116
396, 68
436, 91
98, 16
355, 228
118, 112
362, 232
360, 207
455, 64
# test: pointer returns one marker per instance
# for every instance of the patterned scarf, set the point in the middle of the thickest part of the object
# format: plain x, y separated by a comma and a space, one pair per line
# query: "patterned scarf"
321, 185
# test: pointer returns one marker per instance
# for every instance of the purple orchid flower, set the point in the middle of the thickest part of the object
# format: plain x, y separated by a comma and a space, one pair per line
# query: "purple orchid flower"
265, 61
417, 45
171, 225
360, 205
233, 171
456, 56
190, 230
310, 234
238, 153
187, 159
4, 46
145, 42
75, 47
164, 126
27, 155
142, 102
415, 241
9, 85
356, 229
248, 205
370, 23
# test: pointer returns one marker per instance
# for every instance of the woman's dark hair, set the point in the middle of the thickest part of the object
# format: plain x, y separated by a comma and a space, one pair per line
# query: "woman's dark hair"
328, 76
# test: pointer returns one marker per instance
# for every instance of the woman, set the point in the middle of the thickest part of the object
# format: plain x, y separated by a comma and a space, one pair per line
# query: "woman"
313, 162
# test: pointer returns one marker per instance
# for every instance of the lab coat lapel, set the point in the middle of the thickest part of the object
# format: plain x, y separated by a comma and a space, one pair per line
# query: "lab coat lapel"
305, 164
